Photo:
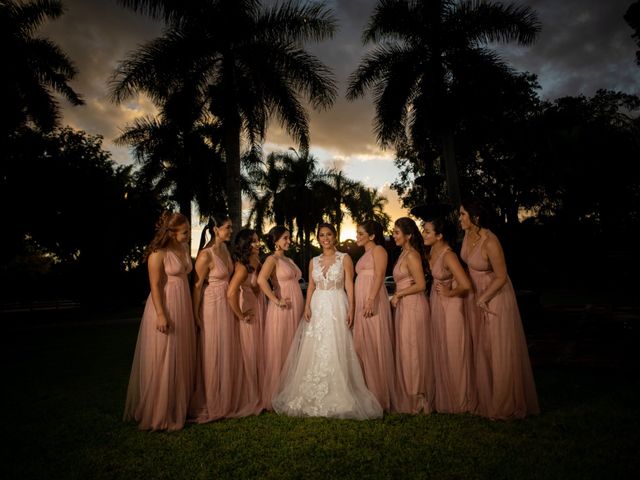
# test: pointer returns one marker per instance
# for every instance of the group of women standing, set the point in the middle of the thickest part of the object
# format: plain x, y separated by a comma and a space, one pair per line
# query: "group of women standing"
245, 340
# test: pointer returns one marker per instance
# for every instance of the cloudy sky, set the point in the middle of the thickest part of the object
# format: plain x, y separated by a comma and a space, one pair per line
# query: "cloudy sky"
584, 45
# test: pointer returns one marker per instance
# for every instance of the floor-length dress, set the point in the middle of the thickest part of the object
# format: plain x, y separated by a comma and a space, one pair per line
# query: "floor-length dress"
163, 370
503, 376
451, 345
281, 324
322, 375
414, 365
219, 374
251, 343
373, 336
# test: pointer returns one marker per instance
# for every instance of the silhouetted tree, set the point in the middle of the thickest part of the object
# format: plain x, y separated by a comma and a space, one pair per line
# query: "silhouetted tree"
249, 62
431, 65
633, 19
34, 68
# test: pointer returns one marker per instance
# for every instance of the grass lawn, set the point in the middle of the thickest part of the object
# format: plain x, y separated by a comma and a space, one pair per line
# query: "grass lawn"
67, 384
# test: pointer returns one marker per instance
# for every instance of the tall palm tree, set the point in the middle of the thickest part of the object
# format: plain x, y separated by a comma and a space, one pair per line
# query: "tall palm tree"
34, 68
248, 62
431, 66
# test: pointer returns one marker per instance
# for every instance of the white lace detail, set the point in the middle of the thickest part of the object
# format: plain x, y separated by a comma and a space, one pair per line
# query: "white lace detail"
333, 279
322, 376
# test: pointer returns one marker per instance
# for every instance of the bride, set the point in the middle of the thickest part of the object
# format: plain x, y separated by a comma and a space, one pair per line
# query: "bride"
322, 376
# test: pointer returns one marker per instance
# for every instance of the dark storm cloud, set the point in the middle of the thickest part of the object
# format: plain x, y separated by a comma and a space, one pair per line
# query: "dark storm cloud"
584, 45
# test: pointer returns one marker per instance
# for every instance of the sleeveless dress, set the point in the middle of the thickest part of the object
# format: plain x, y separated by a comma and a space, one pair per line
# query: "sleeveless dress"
251, 342
219, 378
373, 336
414, 365
281, 325
322, 375
451, 344
163, 370
503, 376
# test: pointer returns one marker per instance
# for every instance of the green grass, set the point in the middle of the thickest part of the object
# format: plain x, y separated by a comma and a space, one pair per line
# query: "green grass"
66, 388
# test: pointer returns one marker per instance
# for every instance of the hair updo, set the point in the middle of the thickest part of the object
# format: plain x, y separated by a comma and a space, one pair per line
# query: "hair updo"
274, 235
374, 228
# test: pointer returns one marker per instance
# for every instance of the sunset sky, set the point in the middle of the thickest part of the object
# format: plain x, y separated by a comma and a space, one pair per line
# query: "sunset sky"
584, 45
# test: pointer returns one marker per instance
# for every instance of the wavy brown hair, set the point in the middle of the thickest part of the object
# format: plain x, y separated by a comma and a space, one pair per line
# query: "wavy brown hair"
167, 225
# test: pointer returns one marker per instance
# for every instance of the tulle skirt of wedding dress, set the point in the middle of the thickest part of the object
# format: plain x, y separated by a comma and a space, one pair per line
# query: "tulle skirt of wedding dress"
322, 376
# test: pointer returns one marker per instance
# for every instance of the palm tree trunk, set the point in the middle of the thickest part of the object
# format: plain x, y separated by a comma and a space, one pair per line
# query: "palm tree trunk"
232, 184
451, 167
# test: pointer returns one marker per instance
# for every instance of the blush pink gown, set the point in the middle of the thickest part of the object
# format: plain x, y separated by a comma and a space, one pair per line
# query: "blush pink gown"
451, 345
251, 343
220, 374
281, 325
414, 367
162, 374
373, 336
503, 376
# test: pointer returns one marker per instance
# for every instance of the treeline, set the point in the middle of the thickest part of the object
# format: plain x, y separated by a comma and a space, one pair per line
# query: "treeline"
563, 175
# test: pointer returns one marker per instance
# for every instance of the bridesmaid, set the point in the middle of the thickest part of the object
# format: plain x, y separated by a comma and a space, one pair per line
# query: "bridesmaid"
414, 368
450, 334
219, 378
248, 304
284, 310
504, 379
163, 369
372, 329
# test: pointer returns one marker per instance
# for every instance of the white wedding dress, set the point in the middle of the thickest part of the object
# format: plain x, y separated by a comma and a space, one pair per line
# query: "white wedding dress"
322, 376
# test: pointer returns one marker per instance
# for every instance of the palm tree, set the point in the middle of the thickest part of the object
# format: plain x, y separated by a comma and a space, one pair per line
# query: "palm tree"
344, 196
35, 68
247, 61
431, 67
265, 181
371, 207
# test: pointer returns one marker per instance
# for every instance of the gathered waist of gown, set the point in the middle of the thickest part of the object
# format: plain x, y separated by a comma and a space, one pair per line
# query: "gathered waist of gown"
368, 272
217, 284
176, 277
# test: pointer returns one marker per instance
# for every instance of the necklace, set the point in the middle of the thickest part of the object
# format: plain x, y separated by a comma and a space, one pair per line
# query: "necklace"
475, 242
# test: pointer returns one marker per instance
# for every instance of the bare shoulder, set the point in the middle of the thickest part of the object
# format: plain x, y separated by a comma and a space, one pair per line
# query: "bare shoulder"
379, 250
492, 243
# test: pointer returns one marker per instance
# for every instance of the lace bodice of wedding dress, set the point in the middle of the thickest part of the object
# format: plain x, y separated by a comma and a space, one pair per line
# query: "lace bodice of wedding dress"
322, 375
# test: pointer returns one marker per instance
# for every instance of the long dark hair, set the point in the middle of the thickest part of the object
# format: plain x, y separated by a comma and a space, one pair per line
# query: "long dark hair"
374, 228
408, 227
216, 220
274, 235
242, 248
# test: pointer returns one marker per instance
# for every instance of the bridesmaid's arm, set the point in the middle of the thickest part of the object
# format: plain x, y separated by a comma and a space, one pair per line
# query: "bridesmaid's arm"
263, 280
463, 284
311, 287
499, 267
201, 273
348, 286
380, 259
155, 266
240, 274
414, 265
